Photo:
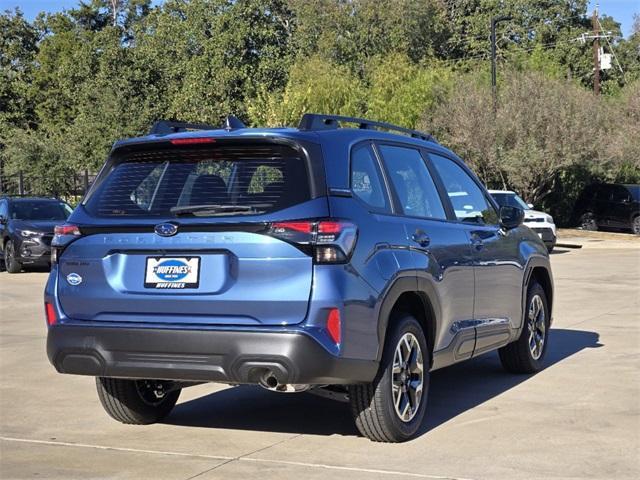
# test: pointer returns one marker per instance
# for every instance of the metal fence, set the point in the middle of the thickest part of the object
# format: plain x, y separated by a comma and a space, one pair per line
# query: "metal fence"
70, 188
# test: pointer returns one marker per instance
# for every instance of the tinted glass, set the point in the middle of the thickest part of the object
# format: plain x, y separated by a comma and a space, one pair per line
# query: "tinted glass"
39, 210
634, 190
214, 181
412, 182
468, 200
366, 181
603, 193
620, 194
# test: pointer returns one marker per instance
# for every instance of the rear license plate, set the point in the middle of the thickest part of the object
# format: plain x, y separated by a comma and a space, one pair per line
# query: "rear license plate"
172, 272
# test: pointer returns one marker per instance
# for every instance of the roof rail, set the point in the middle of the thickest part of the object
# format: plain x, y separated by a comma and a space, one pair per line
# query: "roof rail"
317, 121
163, 127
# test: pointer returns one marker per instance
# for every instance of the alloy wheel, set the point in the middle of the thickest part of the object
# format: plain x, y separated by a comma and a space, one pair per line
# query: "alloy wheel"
407, 377
153, 392
636, 225
537, 327
587, 222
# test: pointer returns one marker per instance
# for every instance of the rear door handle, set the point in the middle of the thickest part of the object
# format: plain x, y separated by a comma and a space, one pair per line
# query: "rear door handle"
421, 238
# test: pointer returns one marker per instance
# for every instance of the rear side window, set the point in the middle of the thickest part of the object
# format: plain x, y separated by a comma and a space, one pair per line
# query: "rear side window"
412, 182
214, 181
366, 180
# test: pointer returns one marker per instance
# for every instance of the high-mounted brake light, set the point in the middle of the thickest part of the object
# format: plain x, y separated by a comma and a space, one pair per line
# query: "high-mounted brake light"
50, 312
330, 241
192, 141
67, 229
334, 328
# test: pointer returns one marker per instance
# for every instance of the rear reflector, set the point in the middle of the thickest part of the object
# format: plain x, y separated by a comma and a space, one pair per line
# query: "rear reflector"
51, 314
333, 325
192, 141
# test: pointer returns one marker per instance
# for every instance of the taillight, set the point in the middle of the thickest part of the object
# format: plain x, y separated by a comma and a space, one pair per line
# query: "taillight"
50, 312
66, 229
334, 328
329, 241
63, 235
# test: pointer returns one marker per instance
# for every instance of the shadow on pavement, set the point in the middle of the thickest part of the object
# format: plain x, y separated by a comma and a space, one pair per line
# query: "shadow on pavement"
453, 391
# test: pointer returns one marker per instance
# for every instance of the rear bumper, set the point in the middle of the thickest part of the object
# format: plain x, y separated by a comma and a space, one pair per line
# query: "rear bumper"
200, 355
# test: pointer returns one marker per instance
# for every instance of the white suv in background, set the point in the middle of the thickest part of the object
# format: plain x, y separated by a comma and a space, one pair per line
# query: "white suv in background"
539, 222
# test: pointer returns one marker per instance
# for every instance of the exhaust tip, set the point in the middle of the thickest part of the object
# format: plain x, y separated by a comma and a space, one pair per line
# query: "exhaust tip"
271, 381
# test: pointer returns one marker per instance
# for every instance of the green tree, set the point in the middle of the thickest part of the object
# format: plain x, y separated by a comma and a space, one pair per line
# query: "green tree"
401, 92
18, 48
354, 32
315, 85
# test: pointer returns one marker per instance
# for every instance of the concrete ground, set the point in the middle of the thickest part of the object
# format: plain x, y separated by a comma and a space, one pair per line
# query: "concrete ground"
578, 418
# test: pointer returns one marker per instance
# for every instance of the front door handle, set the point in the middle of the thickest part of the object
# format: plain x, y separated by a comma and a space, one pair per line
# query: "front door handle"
476, 241
421, 238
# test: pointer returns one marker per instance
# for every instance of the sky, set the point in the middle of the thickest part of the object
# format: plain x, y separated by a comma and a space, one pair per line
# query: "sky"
621, 10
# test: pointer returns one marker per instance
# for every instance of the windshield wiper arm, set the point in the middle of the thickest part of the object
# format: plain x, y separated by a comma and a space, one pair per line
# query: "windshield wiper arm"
212, 209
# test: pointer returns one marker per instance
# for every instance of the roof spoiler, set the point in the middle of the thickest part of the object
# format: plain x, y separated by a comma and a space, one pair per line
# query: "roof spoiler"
165, 127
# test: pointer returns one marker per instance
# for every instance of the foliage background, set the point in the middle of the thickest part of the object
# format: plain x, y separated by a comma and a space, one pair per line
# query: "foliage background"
71, 83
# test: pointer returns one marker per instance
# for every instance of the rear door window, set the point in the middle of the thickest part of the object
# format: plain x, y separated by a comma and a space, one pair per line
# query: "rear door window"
214, 181
412, 182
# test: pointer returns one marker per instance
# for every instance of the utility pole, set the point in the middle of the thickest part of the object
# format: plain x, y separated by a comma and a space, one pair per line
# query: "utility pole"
596, 52
494, 22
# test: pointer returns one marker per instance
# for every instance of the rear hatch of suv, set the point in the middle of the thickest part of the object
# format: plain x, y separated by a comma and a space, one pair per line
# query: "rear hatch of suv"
180, 232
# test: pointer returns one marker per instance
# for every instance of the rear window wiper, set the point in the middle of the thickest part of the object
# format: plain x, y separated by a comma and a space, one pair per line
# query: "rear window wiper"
213, 210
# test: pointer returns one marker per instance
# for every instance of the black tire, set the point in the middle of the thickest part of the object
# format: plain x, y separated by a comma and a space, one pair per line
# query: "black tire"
128, 401
520, 356
635, 225
550, 248
372, 405
10, 263
588, 222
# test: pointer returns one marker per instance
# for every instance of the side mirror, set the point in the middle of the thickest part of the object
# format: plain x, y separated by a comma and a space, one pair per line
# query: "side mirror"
3, 220
511, 217
530, 205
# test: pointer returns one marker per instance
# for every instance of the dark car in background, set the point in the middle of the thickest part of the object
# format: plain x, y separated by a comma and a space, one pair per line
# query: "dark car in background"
610, 206
26, 225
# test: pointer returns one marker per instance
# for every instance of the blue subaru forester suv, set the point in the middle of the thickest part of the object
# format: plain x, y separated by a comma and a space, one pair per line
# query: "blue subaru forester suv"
348, 262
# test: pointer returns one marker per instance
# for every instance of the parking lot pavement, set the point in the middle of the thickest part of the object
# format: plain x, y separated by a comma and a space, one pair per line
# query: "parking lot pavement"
579, 418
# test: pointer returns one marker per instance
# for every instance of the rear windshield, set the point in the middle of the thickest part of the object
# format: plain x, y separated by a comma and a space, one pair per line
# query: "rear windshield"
213, 181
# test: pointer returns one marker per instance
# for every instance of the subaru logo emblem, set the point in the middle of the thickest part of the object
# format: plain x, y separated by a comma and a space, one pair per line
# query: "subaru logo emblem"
166, 229
74, 279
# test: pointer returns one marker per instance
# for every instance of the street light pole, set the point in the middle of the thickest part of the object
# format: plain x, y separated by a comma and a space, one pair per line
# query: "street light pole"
494, 22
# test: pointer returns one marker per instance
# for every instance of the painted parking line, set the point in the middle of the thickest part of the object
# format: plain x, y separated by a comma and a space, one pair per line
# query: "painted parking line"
228, 459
